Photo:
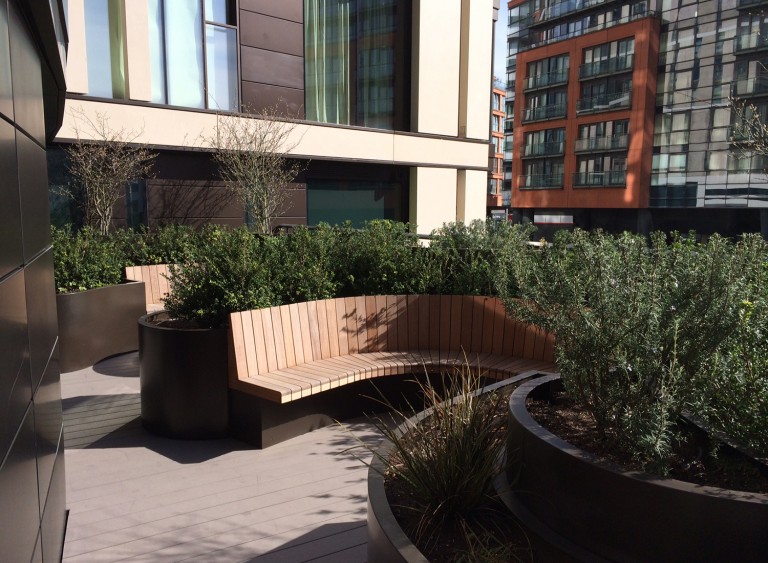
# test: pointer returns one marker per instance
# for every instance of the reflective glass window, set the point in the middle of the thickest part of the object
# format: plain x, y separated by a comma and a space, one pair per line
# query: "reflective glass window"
157, 51
184, 54
220, 11
221, 54
104, 48
363, 201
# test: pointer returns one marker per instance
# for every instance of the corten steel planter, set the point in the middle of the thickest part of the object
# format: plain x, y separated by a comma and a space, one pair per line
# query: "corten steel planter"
98, 323
183, 376
562, 492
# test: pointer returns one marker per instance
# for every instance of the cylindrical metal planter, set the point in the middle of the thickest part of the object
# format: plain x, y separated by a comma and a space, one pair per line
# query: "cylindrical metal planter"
183, 373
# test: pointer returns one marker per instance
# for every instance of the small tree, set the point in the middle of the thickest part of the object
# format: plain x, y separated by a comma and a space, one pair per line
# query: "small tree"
102, 165
252, 154
749, 134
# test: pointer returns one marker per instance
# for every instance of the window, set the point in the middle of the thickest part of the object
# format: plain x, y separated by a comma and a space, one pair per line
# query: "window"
104, 47
364, 200
355, 62
193, 50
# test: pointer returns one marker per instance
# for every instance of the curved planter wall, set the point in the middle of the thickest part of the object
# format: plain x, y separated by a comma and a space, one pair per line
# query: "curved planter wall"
623, 515
183, 374
98, 323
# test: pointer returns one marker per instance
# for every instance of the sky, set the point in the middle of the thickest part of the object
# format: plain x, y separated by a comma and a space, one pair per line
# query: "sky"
500, 48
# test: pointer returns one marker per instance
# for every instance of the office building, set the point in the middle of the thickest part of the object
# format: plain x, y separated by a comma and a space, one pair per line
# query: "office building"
392, 98
496, 157
619, 114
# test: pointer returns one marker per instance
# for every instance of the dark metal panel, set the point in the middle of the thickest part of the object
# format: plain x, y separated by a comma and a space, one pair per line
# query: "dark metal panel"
19, 511
267, 67
257, 96
6, 92
33, 189
54, 520
11, 255
48, 425
15, 382
272, 34
27, 78
41, 313
286, 9
296, 203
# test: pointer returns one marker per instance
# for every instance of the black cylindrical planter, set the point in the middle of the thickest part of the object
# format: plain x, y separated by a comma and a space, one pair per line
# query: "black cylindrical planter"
622, 515
183, 375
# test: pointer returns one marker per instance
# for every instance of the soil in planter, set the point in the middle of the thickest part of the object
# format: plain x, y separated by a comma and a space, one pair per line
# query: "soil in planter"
694, 459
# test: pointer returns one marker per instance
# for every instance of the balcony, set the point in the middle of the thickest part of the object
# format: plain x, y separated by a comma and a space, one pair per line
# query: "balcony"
740, 135
600, 179
640, 14
751, 3
545, 112
750, 42
751, 86
607, 66
540, 181
544, 149
604, 102
557, 10
555, 78
602, 144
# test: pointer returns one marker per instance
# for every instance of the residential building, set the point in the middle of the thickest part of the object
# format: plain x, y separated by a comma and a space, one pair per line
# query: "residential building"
621, 118
32, 487
391, 98
496, 157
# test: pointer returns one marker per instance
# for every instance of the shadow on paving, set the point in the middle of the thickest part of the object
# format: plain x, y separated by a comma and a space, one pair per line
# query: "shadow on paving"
120, 365
346, 541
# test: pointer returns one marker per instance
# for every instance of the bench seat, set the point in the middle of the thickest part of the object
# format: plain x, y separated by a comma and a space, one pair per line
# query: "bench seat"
296, 382
156, 286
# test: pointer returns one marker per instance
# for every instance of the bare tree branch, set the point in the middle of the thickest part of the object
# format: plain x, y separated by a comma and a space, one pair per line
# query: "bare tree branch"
252, 154
102, 165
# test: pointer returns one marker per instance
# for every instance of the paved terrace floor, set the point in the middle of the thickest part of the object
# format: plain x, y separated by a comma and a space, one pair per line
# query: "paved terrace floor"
136, 497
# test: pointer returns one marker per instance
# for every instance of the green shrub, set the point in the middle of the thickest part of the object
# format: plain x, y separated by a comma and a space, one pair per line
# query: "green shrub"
302, 264
380, 258
636, 325
225, 272
466, 257
169, 244
85, 259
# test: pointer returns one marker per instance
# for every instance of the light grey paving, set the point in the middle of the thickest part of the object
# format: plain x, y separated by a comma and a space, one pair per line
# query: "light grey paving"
137, 497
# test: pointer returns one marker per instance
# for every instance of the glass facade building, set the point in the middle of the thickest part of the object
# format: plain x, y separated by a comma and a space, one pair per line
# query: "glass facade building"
664, 156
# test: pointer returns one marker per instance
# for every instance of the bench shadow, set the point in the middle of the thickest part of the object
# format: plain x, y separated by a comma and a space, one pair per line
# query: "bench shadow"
343, 541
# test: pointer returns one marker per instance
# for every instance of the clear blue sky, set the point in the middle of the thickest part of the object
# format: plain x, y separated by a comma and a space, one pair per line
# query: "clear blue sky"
500, 48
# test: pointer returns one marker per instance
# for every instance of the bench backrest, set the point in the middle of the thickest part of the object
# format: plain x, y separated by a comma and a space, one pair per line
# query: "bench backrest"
268, 339
155, 280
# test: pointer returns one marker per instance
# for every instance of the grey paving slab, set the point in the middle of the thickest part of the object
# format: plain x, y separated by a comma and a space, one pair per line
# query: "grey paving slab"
138, 497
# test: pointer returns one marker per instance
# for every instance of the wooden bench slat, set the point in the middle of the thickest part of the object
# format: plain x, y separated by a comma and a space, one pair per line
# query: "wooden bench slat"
467, 318
422, 302
269, 339
499, 316
302, 313
332, 328
260, 346
350, 327
246, 331
401, 316
478, 310
314, 330
413, 322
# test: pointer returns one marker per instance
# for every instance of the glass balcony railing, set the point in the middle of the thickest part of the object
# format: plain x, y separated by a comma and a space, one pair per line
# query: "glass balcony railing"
738, 135
558, 9
540, 181
607, 66
751, 3
591, 144
544, 149
545, 80
544, 112
640, 13
600, 179
605, 102
751, 86
750, 42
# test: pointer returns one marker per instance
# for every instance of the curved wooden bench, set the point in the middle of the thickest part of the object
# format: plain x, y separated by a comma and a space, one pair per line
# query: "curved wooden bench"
289, 355
156, 286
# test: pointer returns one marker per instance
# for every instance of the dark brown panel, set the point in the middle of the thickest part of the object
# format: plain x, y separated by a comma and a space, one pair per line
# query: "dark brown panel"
11, 252
272, 34
257, 96
191, 203
27, 79
48, 424
296, 204
15, 382
41, 313
267, 67
287, 9
6, 92
19, 511
54, 518
33, 190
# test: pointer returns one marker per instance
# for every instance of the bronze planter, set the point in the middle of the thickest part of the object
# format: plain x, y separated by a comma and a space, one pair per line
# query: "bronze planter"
98, 323
183, 375
605, 512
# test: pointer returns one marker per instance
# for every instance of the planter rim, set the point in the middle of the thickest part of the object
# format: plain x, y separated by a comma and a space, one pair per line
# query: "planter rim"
518, 409
377, 496
145, 320
94, 289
